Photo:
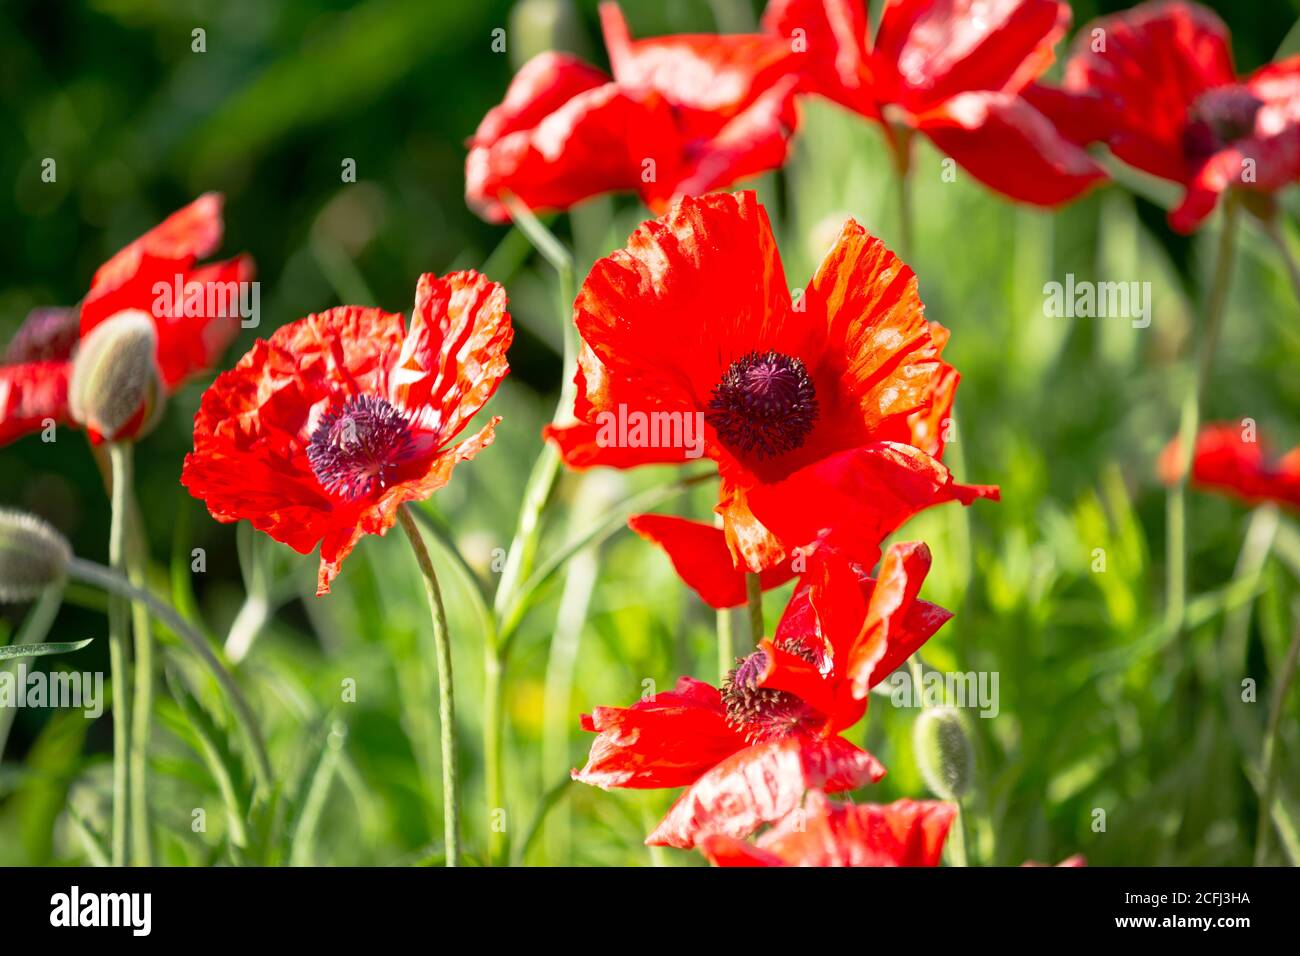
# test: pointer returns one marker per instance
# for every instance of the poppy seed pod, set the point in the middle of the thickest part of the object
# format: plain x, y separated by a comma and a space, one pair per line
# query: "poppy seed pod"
116, 389
32, 555
943, 752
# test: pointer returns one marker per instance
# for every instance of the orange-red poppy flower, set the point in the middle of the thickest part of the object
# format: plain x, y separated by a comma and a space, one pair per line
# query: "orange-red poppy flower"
1176, 108
825, 833
748, 752
682, 115
320, 433
1231, 459
191, 334
953, 70
825, 414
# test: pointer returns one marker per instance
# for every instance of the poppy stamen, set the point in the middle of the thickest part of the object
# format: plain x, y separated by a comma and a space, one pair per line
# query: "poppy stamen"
758, 713
765, 404
356, 448
1217, 119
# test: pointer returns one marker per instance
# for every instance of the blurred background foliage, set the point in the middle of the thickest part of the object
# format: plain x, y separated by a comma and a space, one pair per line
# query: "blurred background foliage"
1098, 709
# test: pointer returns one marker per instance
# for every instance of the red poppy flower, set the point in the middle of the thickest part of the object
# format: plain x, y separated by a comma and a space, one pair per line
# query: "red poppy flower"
953, 70
824, 416
320, 433
1229, 459
824, 833
1177, 109
682, 115
748, 752
191, 333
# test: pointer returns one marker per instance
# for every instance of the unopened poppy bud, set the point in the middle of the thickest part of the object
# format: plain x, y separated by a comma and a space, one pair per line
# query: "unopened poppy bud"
116, 391
943, 752
32, 555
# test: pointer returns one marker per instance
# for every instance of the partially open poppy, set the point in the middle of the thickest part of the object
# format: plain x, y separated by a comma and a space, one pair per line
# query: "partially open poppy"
748, 752
191, 330
952, 70
825, 833
682, 115
320, 433
1176, 108
825, 413
1229, 458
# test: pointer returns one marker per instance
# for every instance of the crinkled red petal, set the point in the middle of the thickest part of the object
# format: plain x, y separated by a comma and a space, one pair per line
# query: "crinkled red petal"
667, 740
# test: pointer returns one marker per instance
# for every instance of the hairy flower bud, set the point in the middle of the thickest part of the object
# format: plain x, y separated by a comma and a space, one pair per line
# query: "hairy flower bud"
32, 555
943, 752
116, 390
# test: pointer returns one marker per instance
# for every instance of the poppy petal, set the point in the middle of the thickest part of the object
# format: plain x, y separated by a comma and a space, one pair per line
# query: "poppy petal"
454, 354
32, 394
598, 141
871, 490
824, 833
828, 39
193, 336
700, 557
692, 291
981, 130
1184, 44
761, 784
666, 740
927, 51
186, 235
896, 623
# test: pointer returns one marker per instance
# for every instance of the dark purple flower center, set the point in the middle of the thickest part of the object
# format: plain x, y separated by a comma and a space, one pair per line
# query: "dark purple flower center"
46, 335
1218, 119
758, 713
358, 447
765, 404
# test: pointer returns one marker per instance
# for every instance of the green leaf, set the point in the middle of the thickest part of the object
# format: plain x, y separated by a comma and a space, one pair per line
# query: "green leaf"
41, 650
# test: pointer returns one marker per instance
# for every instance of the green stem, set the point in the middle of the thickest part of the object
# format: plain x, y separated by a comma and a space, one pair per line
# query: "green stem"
1176, 505
523, 548
446, 691
116, 585
726, 643
1274, 232
957, 838
754, 598
118, 614
33, 631
121, 455
903, 191
1268, 758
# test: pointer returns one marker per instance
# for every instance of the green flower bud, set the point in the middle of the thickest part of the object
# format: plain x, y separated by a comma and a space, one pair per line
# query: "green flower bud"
943, 752
116, 390
32, 556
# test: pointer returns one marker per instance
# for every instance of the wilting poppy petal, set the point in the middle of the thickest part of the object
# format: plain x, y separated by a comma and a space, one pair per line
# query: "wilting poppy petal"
761, 784
667, 740
702, 560
981, 130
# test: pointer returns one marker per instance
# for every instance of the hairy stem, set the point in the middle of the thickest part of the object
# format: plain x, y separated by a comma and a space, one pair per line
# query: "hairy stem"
446, 691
